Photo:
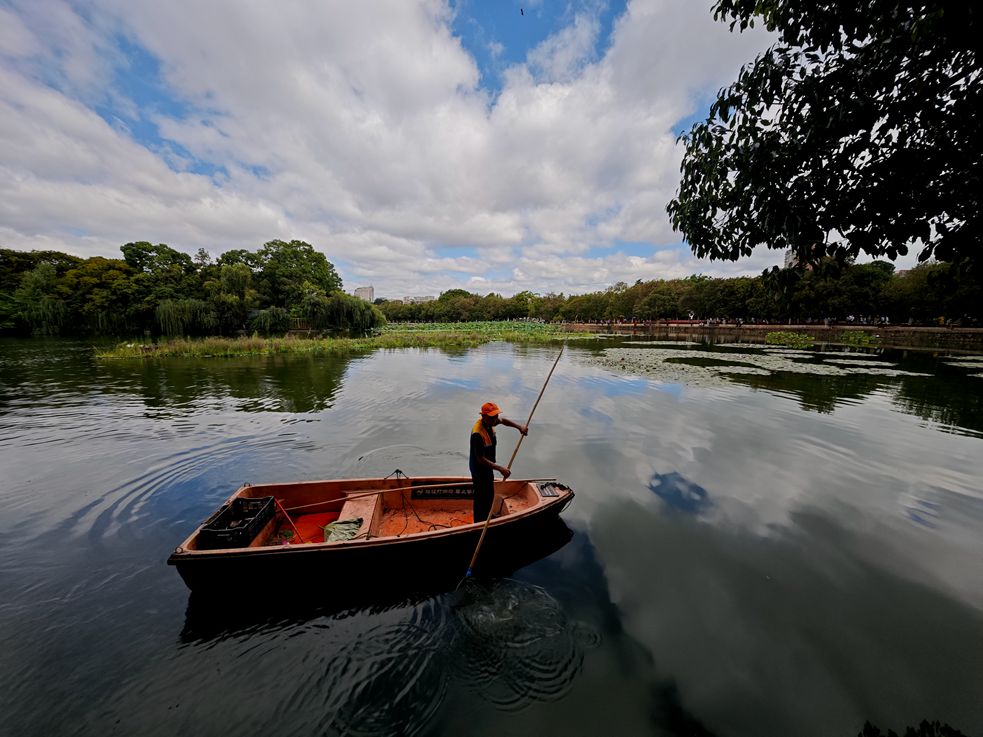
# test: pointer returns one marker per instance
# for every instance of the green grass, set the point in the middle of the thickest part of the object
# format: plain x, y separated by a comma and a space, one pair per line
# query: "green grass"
438, 335
789, 338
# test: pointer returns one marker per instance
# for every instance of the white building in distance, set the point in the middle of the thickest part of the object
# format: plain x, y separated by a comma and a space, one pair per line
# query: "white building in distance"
366, 293
417, 300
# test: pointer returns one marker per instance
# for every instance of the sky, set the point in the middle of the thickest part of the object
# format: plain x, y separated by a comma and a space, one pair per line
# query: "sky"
421, 145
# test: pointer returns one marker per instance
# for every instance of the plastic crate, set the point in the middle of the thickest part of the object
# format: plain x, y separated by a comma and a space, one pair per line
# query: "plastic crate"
236, 524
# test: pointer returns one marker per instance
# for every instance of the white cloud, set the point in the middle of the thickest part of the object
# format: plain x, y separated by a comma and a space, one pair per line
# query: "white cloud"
16, 39
562, 56
360, 127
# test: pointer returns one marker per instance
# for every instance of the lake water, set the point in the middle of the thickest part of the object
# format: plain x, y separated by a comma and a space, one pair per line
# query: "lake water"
793, 549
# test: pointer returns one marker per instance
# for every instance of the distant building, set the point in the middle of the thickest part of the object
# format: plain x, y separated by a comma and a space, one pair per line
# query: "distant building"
417, 300
366, 293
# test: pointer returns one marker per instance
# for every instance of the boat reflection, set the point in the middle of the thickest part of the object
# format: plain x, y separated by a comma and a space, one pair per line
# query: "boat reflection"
392, 661
274, 604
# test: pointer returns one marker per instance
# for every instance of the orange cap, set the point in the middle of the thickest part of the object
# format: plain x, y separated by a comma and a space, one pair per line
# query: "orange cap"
490, 409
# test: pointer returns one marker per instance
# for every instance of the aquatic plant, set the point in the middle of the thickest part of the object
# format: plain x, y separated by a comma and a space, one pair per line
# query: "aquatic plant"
789, 338
443, 336
860, 339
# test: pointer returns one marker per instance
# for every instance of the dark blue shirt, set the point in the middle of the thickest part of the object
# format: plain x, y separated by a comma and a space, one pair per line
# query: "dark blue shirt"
483, 442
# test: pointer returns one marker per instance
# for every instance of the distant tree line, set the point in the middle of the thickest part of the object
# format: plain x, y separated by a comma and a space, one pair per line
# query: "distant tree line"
157, 289
928, 294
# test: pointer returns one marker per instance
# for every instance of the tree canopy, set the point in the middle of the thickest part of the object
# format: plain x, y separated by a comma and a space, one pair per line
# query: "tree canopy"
46, 292
858, 131
159, 290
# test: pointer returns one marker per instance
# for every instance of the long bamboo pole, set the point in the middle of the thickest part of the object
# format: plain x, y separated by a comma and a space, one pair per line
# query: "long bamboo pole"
514, 454
296, 531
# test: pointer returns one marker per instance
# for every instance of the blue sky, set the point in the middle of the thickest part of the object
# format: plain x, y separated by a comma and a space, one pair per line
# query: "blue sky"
500, 34
494, 145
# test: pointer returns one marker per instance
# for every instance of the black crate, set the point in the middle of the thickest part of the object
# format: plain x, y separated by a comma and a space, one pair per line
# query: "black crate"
236, 524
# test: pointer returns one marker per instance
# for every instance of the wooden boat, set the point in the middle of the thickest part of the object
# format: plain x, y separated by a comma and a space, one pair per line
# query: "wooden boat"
400, 528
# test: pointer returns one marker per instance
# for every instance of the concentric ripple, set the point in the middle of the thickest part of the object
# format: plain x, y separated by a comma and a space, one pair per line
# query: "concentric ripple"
514, 644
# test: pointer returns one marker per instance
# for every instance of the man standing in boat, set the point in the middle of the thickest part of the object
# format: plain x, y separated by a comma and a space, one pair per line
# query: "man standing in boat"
482, 460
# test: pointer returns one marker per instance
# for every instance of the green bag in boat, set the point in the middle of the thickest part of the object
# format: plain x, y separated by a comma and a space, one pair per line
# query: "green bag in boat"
343, 529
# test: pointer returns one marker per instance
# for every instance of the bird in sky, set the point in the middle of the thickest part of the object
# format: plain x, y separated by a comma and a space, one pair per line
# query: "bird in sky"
521, 11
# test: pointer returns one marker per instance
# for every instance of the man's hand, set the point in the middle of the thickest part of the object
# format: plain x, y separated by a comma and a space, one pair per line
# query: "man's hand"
505, 472
524, 429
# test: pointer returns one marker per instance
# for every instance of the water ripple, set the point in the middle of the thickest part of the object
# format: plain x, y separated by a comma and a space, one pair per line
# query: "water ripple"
515, 645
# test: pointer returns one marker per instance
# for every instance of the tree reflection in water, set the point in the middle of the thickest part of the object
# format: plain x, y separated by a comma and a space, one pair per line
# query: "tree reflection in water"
950, 396
284, 383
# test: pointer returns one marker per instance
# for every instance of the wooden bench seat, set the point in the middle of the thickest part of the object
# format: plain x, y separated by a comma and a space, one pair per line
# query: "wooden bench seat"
368, 508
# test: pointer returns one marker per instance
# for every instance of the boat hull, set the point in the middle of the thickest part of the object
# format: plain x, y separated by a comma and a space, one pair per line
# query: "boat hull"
364, 564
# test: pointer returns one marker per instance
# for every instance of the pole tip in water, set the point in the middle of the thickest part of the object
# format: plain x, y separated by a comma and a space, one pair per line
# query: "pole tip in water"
468, 574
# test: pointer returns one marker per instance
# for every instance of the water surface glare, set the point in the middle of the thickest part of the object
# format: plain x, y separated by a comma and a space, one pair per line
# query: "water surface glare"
763, 542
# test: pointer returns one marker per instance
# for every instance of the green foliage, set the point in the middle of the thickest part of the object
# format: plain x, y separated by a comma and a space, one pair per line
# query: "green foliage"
585, 307
160, 274
231, 295
339, 312
789, 338
104, 296
860, 339
177, 317
285, 267
402, 336
160, 261
14, 264
524, 331
271, 321
235, 279
546, 307
453, 294
856, 132
159, 291
36, 302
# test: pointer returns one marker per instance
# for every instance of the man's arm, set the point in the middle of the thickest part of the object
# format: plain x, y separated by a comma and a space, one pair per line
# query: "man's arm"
524, 429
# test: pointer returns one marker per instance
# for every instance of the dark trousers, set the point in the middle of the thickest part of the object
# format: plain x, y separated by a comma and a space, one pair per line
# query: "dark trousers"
484, 495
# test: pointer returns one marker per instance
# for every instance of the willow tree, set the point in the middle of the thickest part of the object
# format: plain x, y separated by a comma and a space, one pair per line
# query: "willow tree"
177, 317
37, 302
857, 131
231, 295
338, 311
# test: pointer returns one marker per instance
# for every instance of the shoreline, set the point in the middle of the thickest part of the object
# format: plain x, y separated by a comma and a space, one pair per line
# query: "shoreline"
220, 347
889, 336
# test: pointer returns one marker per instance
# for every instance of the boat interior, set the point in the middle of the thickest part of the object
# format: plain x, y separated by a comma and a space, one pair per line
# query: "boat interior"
385, 508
